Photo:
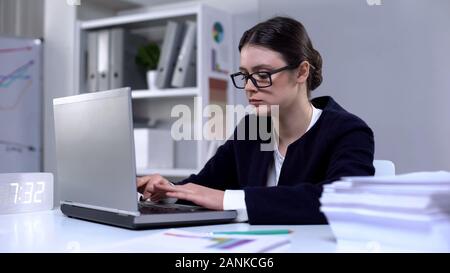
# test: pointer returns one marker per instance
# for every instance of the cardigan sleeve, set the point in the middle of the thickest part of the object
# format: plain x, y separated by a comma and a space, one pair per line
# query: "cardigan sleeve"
352, 154
219, 172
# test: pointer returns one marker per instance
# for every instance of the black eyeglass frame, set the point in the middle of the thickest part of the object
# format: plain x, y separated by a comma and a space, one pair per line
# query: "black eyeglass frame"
254, 81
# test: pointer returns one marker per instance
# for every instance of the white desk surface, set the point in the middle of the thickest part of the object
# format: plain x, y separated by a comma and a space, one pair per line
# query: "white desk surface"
51, 231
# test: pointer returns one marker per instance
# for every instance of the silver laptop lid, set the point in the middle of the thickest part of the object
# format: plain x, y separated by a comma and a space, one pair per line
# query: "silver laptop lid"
95, 150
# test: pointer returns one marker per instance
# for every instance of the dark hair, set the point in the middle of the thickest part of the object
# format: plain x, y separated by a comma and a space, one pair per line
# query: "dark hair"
289, 38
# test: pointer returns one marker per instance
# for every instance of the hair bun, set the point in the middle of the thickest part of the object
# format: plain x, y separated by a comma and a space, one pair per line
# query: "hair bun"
315, 76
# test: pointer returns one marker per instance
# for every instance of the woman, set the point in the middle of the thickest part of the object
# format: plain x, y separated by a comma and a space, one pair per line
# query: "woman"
319, 142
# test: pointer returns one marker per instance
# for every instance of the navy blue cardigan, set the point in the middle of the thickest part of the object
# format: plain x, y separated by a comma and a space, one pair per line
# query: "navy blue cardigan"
339, 144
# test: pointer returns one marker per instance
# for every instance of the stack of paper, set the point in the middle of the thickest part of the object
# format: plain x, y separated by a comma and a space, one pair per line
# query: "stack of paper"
409, 212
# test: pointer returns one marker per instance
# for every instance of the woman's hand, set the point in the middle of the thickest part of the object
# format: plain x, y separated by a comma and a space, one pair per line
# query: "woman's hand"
202, 196
146, 186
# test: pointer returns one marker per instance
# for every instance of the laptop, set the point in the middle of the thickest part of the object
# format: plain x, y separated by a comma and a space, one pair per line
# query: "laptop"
96, 167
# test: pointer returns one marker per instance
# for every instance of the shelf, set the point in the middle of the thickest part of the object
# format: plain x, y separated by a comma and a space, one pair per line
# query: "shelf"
167, 172
213, 57
168, 93
185, 10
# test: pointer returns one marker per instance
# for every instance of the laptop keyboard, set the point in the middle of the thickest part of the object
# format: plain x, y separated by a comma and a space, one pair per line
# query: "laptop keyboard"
152, 208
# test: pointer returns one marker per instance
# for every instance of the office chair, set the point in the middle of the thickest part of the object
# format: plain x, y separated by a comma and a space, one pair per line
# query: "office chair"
384, 167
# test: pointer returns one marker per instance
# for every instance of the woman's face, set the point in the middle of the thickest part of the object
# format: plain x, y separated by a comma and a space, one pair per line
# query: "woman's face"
284, 86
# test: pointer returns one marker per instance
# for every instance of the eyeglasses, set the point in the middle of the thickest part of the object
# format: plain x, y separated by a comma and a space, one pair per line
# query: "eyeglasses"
260, 79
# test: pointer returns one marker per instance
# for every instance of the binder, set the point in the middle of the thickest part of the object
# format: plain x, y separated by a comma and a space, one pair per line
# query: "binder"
123, 70
185, 69
169, 52
103, 60
116, 58
92, 57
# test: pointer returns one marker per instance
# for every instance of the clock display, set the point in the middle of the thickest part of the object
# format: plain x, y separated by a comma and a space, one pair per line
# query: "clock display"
28, 194
25, 192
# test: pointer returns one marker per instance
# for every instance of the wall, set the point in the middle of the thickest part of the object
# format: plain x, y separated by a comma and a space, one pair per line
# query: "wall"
390, 65
22, 18
242, 22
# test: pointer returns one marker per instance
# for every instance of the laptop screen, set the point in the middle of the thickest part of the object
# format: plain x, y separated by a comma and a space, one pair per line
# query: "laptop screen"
95, 150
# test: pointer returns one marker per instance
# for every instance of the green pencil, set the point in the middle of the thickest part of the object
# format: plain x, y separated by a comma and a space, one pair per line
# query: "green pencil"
255, 232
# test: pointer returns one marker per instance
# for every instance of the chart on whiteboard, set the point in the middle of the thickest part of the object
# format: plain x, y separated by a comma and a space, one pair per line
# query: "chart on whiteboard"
20, 105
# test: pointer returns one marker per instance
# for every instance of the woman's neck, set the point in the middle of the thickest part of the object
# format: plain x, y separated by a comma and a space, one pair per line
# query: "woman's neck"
294, 120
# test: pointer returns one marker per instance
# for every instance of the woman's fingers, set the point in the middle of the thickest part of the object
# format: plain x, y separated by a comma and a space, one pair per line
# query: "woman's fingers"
171, 188
146, 195
154, 187
163, 187
152, 180
155, 197
182, 195
141, 181
192, 197
144, 183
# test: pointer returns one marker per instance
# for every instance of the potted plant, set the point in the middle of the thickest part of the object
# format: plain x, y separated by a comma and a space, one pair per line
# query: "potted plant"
148, 57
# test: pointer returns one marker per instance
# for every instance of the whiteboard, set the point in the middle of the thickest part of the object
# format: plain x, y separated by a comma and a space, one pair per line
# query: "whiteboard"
20, 105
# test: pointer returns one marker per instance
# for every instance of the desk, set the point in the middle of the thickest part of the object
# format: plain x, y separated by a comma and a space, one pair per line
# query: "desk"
51, 231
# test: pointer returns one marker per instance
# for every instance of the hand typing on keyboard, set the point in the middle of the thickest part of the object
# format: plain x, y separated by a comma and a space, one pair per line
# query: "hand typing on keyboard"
146, 186
157, 187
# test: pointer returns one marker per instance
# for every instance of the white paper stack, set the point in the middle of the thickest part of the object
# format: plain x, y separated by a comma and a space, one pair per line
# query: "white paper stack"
409, 212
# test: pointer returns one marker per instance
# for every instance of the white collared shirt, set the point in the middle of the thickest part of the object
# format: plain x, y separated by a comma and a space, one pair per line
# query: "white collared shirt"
235, 199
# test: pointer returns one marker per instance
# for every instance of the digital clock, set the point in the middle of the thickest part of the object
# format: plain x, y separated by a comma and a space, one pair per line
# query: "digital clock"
25, 192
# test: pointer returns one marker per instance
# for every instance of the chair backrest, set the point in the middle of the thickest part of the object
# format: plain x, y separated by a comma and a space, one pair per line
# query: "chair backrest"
384, 167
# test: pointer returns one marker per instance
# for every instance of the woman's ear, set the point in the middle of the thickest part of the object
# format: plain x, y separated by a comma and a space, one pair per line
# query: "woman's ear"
303, 72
